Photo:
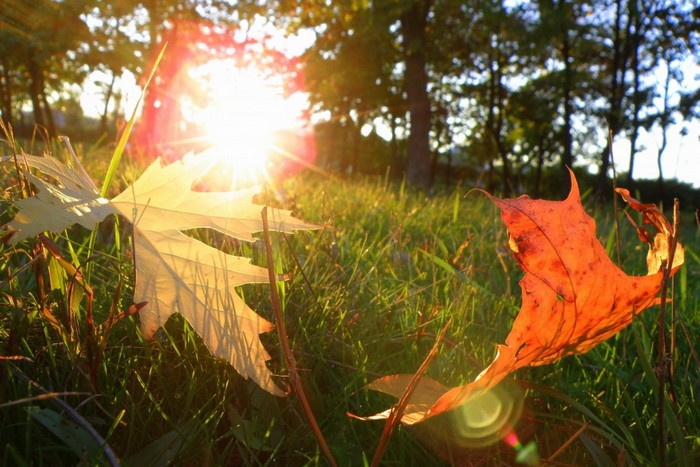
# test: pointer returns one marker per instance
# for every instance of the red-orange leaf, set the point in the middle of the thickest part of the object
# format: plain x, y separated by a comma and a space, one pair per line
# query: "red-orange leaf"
573, 296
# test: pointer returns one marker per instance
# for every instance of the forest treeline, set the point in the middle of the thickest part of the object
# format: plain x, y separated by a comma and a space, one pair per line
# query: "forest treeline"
509, 91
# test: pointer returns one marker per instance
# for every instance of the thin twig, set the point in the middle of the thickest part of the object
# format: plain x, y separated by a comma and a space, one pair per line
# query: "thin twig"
286, 349
618, 242
79, 419
41, 397
661, 350
19, 271
567, 443
672, 347
397, 410
691, 341
301, 269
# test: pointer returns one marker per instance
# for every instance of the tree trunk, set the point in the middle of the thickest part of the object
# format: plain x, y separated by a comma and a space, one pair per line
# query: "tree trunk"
505, 161
636, 94
448, 168
356, 145
344, 162
395, 156
635, 118
50, 121
105, 109
502, 150
5, 91
494, 120
35, 90
413, 25
567, 160
617, 75
665, 123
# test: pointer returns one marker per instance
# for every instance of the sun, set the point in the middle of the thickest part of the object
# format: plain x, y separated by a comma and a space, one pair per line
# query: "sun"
242, 114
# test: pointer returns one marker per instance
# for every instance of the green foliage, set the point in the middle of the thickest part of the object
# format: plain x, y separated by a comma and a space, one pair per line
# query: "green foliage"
515, 88
367, 296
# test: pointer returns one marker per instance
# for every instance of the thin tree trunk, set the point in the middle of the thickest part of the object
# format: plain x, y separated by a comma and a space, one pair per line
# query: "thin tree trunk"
413, 25
440, 131
567, 160
490, 180
635, 118
494, 120
538, 172
345, 131
659, 155
50, 121
448, 167
505, 169
35, 90
665, 123
636, 95
616, 92
395, 157
357, 146
105, 109
502, 150
490, 116
5, 91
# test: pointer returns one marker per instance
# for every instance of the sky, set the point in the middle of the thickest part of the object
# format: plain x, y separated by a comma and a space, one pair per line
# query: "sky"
681, 159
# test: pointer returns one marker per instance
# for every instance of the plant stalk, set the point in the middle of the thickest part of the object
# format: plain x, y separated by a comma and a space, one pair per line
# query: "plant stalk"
397, 410
661, 346
286, 349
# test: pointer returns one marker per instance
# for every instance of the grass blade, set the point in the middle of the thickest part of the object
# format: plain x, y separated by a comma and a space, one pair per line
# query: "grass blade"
121, 145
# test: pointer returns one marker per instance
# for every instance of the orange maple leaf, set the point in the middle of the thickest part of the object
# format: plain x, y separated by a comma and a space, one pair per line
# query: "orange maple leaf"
573, 296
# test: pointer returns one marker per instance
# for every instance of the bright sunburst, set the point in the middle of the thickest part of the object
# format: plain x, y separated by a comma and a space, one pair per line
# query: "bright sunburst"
243, 114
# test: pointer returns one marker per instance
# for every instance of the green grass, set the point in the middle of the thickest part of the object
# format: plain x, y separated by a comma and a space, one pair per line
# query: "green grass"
368, 296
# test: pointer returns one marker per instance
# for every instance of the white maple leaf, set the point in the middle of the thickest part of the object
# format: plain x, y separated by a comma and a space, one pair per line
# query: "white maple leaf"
55, 208
174, 272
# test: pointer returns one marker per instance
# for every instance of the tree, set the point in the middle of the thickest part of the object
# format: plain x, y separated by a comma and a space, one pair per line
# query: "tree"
45, 38
636, 39
560, 35
10, 60
670, 33
498, 58
414, 21
113, 49
404, 27
348, 73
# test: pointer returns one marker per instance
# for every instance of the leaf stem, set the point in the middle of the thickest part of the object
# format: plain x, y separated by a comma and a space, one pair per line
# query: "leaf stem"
286, 349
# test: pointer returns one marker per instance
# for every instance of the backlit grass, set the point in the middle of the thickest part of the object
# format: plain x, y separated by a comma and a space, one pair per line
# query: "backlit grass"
366, 297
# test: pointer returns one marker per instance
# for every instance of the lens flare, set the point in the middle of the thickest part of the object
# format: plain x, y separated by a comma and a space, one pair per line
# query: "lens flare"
488, 419
482, 421
524, 454
475, 429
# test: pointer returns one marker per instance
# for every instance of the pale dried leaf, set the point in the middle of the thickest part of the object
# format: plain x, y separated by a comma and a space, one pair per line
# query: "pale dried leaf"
56, 207
175, 273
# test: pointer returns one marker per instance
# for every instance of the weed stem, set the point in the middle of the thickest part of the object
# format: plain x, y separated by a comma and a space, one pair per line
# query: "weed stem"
286, 349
